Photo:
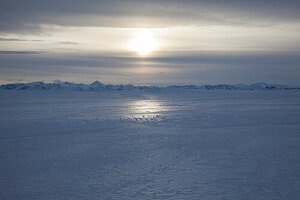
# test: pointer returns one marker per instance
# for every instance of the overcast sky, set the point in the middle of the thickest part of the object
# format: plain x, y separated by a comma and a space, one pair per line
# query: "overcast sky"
199, 41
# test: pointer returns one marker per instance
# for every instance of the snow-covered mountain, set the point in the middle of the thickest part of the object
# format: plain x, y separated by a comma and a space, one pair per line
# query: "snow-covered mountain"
97, 86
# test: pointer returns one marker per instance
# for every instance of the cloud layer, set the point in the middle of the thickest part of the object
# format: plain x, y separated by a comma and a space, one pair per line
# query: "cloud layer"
202, 41
178, 68
28, 15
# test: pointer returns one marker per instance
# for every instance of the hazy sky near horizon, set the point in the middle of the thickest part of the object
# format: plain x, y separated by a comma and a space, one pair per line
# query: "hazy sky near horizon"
198, 41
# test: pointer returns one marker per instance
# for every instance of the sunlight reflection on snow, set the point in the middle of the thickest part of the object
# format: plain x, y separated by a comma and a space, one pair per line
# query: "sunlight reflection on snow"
146, 108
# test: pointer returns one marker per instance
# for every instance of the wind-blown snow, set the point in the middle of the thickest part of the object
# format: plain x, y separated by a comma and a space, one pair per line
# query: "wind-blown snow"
171, 143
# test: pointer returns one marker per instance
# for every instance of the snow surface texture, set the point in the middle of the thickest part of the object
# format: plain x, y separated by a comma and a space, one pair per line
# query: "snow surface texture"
150, 144
97, 86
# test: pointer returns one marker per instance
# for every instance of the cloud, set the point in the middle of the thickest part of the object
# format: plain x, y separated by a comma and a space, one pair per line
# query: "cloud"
69, 43
19, 40
72, 26
20, 52
171, 68
16, 80
27, 16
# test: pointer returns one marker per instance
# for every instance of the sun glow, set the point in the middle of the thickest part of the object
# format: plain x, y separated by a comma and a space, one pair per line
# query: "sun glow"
144, 43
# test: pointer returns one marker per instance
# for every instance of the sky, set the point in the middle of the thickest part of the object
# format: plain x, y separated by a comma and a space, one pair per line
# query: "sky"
148, 42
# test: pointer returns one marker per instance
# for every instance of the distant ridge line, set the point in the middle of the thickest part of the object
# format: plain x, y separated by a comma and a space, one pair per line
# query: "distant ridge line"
97, 86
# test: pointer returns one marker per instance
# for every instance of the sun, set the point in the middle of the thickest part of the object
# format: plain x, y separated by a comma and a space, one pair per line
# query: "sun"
143, 43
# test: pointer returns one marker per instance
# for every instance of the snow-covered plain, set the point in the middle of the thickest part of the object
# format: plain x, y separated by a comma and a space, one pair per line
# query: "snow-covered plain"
150, 144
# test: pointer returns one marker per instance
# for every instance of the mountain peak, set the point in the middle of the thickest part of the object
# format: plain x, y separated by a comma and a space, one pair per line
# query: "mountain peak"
96, 83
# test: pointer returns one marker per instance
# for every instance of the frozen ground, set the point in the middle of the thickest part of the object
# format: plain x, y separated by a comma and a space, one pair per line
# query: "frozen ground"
170, 144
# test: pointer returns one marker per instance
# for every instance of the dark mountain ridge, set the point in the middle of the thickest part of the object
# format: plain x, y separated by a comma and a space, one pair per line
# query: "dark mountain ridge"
97, 86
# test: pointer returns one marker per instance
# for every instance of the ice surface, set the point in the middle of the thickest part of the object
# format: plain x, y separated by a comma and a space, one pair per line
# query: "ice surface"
150, 144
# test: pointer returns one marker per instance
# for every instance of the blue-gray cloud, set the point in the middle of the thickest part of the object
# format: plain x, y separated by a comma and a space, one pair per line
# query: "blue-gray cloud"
27, 15
19, 52
183, 68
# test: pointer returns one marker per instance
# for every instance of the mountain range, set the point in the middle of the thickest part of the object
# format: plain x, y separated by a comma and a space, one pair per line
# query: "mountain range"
97, 86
